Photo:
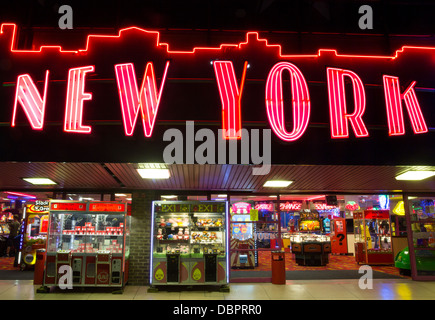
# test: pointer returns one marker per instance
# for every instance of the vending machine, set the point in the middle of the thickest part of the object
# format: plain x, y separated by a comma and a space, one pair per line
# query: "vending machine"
338, 236
91, 240
188, 244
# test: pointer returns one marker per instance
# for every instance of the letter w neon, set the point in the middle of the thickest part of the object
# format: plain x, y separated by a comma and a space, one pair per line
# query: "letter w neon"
131, 101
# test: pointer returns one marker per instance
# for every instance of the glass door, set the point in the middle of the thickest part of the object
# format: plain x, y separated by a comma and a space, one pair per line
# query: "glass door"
421, 237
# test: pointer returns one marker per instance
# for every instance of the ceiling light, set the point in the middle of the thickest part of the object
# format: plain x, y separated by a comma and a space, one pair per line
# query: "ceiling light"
120, 195
154, 173
39, 181
277, 183
169, 197
222, 195
415, 175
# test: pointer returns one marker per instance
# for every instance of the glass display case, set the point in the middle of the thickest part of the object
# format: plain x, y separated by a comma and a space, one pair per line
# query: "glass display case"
92, 238
372, 232
189, 243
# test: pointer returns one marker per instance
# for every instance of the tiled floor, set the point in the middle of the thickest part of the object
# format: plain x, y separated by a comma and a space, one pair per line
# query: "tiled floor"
397, 289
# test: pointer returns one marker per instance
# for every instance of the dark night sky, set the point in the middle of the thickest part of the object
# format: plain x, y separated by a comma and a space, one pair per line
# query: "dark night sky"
402, 17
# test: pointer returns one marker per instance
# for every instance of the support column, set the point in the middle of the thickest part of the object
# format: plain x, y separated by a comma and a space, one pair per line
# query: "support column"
140, 237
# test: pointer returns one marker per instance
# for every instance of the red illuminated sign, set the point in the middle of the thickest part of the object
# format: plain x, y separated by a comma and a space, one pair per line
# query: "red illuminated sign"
287, 206
146, 99
67, 206
275, 101
107, 207
28, 97
231, 98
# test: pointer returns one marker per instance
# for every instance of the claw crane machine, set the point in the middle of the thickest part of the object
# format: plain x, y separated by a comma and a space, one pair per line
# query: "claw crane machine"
92, 240
189, 244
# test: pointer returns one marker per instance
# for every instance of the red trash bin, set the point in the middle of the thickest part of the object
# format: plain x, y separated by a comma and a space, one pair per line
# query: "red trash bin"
38, 276
278, 267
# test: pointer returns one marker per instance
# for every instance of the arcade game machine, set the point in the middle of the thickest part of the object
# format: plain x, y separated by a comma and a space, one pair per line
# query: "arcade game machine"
90, 237
373, 244
4, 234
243, 244
309, 246
289, 221
338, 236
33, 232
188, 243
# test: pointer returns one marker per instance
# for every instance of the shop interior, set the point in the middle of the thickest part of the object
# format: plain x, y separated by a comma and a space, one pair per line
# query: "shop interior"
333, 235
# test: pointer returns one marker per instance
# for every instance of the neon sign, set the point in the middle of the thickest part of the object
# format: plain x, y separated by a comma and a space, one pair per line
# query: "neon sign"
147, 99
287, 206
323, 206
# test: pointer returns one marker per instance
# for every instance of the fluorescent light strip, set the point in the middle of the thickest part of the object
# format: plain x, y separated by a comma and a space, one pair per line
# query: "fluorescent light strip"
39, 181
154, 173
415, 175
277, 183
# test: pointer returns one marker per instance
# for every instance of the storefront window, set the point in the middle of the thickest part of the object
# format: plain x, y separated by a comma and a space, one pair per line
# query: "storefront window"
422, 223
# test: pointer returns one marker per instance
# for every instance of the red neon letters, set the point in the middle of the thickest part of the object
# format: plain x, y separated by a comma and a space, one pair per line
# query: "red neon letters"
148, 99
131, 101
393, 102
275, 102
337, 104
27, 95
230, 97
74, 100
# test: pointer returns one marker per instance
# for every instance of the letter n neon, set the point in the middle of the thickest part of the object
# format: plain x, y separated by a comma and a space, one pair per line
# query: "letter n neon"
27, 95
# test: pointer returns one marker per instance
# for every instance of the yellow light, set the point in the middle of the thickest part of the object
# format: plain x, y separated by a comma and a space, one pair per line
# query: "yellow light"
399, 209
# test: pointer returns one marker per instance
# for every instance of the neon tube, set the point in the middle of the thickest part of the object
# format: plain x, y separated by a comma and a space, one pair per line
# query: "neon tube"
231, 98
337, 104
74, 100
275, 102
393, 103
147, 101
28, 97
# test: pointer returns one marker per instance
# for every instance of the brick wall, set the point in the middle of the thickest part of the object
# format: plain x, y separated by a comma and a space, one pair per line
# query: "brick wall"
140, 237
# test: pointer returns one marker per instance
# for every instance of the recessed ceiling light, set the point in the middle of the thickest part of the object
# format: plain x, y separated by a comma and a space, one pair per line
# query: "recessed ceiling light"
154, 173
415, 175
277, 183
39, 181
169, 197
